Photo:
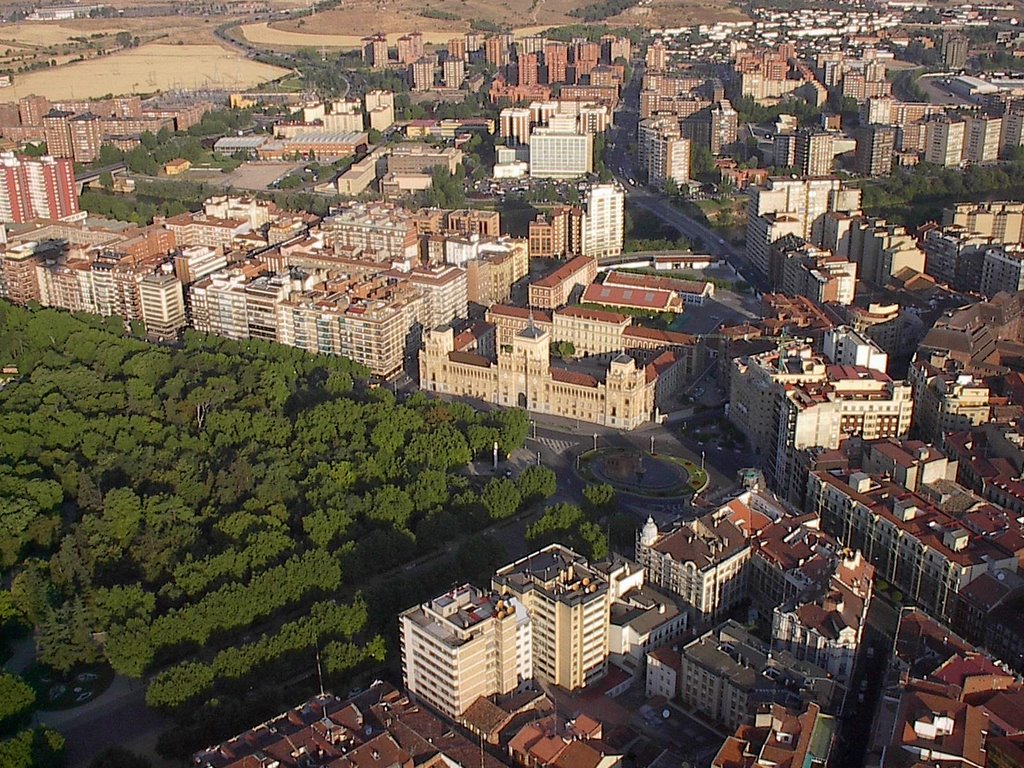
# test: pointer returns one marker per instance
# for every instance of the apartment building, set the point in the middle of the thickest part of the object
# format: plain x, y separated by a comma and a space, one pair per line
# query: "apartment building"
211, 231
57, 133
86, 137
410, 48
780, 736
560, 154
828, 631
727, 674
36, 188
882, 323
792, 206
912, 464
954, 255
925, 553
982, 139
703, 562
945, 140
380, 107
815, 153
1000, 220
464, 645
163, 306
881, 249
257, 212
375, 51
381, 231
789, 399
569, 605
193, 263
491, 275
946, 400
791, 562
379, 333
797, 268
1002, 269
602, 227
845, 346
663, 152
445, 293
876, 145
555, 290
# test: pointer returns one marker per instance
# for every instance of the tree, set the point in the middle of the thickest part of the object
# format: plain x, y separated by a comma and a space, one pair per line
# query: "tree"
702, 162
40, 747
65, 638
478, 556
500, 498
16, 701
537, 483
512, 425
599, 496
374, 136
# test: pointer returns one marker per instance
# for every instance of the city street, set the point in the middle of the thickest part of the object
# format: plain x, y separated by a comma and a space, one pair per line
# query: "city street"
621, 162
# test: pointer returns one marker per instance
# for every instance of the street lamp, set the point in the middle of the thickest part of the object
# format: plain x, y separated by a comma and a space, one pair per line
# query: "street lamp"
595, 441
702, 459
652, 445
538, 458
533, 423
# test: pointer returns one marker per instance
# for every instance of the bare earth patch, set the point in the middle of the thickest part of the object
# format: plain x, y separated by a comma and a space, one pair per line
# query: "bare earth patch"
146, 69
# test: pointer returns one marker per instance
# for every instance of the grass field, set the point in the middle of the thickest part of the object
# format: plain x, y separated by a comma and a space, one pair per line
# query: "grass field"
146, 69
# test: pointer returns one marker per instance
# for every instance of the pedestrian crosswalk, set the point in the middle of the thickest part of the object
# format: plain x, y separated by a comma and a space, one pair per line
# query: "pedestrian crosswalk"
557, 446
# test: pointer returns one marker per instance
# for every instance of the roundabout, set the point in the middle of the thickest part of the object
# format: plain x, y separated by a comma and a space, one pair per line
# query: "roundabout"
643, 473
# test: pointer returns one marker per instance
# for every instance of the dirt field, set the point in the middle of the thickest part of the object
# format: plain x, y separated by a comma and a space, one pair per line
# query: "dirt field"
342, 27
670, 14
257, 175
146, 69
262, 33
41, 33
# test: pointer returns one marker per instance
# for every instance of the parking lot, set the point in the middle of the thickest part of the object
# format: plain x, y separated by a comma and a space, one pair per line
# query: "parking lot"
257, 175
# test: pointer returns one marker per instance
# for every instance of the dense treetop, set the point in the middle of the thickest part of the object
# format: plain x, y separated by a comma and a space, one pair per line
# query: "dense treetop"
200, 514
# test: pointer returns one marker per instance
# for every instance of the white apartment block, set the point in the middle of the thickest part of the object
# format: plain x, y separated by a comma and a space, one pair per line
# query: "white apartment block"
845, 346
602, 229
465, 644
944, 142
788, 400
557, 154
792, 206
445, 294
983, 134
1002, 270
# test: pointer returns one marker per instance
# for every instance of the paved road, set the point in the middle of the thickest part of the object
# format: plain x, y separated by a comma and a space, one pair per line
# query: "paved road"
622, 163
118, 716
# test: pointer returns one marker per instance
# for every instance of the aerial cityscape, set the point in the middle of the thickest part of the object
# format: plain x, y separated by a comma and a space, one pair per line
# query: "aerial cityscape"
543, 384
